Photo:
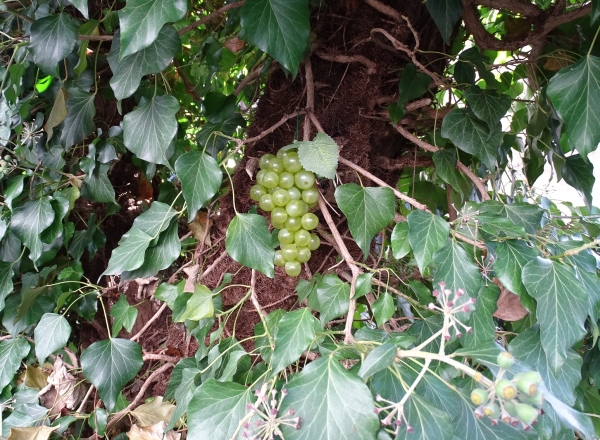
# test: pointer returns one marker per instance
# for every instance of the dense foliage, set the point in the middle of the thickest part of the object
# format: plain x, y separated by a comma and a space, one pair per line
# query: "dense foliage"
455, 303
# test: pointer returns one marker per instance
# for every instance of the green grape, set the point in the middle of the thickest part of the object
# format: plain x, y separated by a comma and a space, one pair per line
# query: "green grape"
266, 202
281, 153
310, 221
278, 215
302, 238
276, 165
289, 251
285, 236
294, 208
312, 205
304, 179
279, 260
286, 180
303, 254
259, 177
292, 268
263, 162
315, 242
281, 197
257, 191
270, 179
295, 193
310, 195
292, 163
304, 207
292, 224
278, 225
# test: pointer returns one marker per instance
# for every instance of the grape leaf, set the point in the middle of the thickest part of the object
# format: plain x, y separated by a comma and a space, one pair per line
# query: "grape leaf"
51, 334
319, 155
295, 333
248, 242
52, 38
426, 234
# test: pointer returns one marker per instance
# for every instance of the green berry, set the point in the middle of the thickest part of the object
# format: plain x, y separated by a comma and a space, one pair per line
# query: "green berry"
527, 386
526, 413
279, 260
303, 254
505, 389
479, 396
257, 191
263, 162
292, 268
492, 411
505, 360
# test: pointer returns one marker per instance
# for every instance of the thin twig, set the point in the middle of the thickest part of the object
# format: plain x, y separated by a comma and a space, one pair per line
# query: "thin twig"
149, 322
346, 59
261, 312
210, 17
310, 98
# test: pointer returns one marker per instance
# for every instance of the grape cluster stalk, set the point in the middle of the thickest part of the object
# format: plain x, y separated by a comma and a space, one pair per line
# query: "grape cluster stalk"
286, 190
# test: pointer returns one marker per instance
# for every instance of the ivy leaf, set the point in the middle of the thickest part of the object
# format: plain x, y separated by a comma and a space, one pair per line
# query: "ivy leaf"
319, 155
295, 332
413, 83
124, 314
97, 187
154, 412
426, 234
214, 406
527, 347
109, 365
368, 210
278, 27
521, 214
150, 128
6, 284
28, 222
156, 219
32, 433
142, 20
445, 167
200, 178
482, 319
208, 138
129, 255
399, 240
445, 14
334, 298
574, 92
511, 258
335, 401
12, 351
426, 420
579, 173
383, 309
472, 135
128, 71
199, 305
79, 122
248, 242
52, 38
82, 6
456, 268
380, 358
561, 307
183, 395
52, 333
595, 12
488, 105
498, 226
591, 284
57, 114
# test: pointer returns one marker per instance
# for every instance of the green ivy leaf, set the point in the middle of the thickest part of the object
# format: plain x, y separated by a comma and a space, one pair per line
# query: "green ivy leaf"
208, 138
142, 20
319, 155
591, 284
278, 27
167, 293
199, 305
109, 365
150, 128
445, 14
334, 402
52, 38
334, 298
262, 342
124, 314
295, 333
128, 71
6, 284
12, 351
213, 408
368, 210
200, 178
380, 358
521, 214
511, 258
57, 114
426, 234
487, 105
412, 84
183, 395
456, 268
383, 309
129, 255
574, 92
426, 420
445, 167
482, 319
498, 226
156, 219
28, 222
52, 333
248, 242
82, 6
561, 307
579, 173
79, 122
472, 135
595, 11
363, 285
97, 187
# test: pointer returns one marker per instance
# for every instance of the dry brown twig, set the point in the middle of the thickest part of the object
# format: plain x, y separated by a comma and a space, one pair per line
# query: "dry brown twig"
370, 65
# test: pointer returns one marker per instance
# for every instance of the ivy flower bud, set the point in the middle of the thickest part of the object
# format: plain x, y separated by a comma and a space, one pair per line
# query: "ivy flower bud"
505, 389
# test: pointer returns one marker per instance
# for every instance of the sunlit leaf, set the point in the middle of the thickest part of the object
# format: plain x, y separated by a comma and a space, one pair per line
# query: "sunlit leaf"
295, 332
199, 305
319, 155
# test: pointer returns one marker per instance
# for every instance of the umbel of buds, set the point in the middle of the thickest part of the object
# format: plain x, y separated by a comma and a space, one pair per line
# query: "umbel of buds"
450, 305
263, 418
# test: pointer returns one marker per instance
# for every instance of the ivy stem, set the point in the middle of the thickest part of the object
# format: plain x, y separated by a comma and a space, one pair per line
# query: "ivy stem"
593, 41
18, 14
575, 251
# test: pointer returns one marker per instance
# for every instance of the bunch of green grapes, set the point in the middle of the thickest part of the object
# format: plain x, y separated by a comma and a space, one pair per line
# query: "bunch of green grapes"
286, 190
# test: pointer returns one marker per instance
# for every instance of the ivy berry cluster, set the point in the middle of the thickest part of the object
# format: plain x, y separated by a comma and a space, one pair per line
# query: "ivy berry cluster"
7, 164
286, 190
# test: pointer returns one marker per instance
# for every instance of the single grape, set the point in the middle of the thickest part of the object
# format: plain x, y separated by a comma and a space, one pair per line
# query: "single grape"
315, 242
278, 225
303, 254
292, 224
282, 153
266, 202
292, 163
286, 180
295, 207
278, 215
257, 191
285, 236
281, 197
304, 179
279, 260
292, 268
289, 251
259, 177
270, 179
302, 238
304, 207
295, 193
310, 221
263, 162
310, 195
312, 205
276, 165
